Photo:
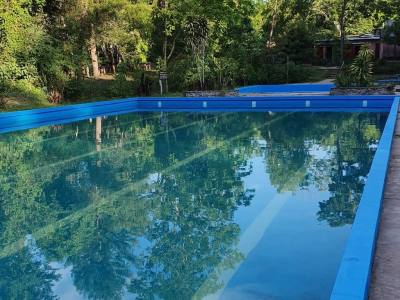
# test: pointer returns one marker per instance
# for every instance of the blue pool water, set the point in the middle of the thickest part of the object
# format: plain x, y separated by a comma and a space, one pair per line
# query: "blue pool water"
181, 205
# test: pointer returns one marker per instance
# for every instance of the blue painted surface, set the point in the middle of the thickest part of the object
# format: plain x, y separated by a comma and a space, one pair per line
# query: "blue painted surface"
230, 170
40, 117
282, 103
286, 88
27, 119
353, 278
389, 81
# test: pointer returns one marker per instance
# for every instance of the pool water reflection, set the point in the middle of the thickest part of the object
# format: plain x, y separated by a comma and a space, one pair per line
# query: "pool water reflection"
182, 206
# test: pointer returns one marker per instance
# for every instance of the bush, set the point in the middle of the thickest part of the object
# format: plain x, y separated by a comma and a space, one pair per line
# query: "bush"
362, 67
27, 91
3, 99
91, 89
120, 87
286, 73
359, 73
344, 78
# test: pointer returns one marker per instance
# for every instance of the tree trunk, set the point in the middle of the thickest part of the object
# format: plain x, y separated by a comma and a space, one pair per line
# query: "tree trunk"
113, 63
165, 43
342, 29
273, 24
98, 133
93, 54
271, 32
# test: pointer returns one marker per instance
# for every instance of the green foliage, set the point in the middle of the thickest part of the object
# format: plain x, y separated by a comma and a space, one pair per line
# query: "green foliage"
3, 100
344, 78
20, 35
28, 92
90, 89
359, 72
391, 32
215, 46
120, 87
362, 67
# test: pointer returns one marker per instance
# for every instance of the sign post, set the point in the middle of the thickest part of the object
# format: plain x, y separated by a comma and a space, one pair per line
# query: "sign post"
163, 79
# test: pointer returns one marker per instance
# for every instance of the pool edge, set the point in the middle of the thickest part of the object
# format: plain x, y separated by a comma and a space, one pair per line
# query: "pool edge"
353, 277
27, 119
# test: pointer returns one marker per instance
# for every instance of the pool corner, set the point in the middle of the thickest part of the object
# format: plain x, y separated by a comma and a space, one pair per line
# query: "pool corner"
353, 278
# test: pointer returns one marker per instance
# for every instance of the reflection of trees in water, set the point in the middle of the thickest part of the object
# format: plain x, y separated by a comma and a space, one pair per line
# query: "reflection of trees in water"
194, 231
351, 165
100, 269
346, 140
165, 236
99, 244
24, 276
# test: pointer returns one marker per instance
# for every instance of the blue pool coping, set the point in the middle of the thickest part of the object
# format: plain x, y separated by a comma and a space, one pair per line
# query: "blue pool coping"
353, 277
286, 88
354, 273
22, 120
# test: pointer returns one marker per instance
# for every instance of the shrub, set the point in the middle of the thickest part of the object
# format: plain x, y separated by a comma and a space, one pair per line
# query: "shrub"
359, 72
120, 87
362, 67
91, 89
27, 91
344, 78
3, 99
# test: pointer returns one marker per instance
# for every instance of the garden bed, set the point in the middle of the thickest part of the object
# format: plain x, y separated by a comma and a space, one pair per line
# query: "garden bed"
374, 90
193, 94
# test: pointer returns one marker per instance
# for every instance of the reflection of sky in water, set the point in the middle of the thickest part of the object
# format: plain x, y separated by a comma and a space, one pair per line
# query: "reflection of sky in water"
277, 231
65, 288
291, 244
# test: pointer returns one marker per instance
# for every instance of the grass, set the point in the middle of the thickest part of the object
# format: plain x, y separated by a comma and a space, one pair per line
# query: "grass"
317, 74
18, 103
22, 95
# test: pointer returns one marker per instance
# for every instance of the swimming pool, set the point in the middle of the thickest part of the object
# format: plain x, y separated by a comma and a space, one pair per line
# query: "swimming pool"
180, 205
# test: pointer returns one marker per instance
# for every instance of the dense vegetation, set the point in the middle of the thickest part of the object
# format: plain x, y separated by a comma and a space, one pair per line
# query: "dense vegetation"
149, 207
54, 49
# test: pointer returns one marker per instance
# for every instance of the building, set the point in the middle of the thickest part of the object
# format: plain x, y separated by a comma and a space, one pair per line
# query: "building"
327, 51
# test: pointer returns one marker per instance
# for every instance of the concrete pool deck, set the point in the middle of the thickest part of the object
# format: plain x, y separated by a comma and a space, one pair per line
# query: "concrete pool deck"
385, 281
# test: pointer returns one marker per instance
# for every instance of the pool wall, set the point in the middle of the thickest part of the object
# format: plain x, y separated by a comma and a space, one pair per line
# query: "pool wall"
281, 103
354, 273
26, 119
353, 278
286, 88
22, 120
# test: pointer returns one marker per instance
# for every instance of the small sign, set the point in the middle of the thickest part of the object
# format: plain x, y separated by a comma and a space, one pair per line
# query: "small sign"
163, 75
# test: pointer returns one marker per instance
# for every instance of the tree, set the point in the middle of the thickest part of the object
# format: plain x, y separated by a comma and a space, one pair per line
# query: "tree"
196, 34
391, 33
339, 18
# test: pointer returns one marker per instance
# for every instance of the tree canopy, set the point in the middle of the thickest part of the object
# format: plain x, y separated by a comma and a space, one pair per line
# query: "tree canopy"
51, 48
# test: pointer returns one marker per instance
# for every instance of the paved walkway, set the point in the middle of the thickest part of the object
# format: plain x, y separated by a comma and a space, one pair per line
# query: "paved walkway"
386, 273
